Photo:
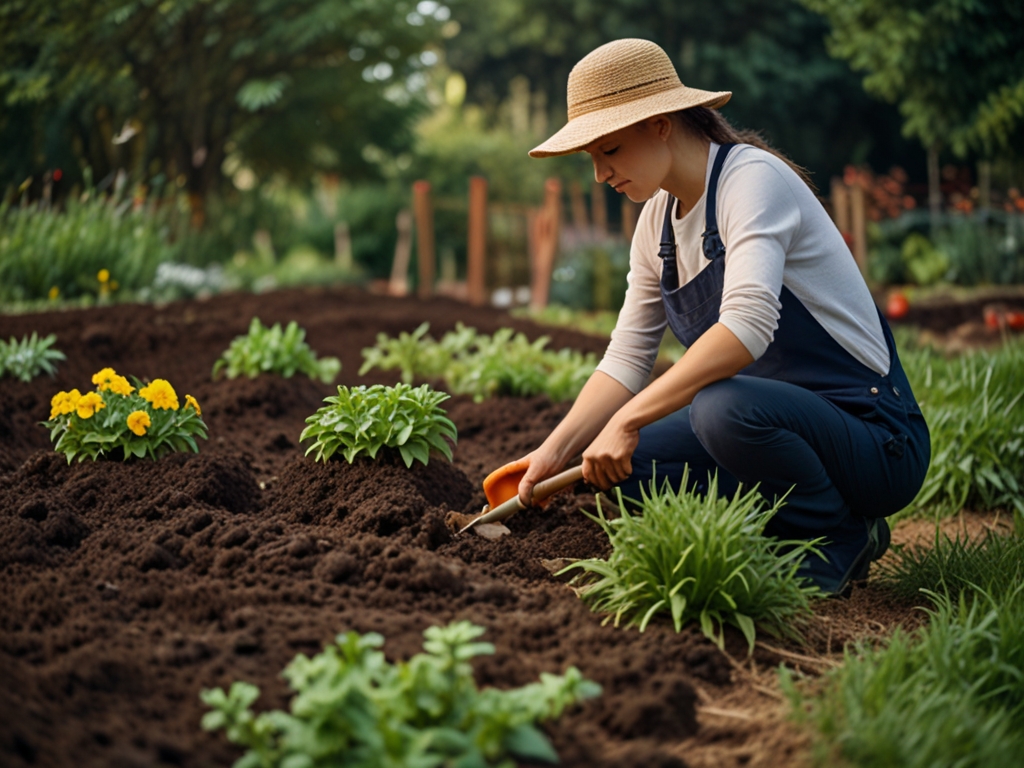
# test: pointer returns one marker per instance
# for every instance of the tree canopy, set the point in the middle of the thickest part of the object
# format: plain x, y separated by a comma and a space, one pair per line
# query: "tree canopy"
954, 67
174, 86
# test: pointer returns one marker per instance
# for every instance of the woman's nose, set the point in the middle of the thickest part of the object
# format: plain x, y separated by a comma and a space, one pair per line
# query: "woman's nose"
601, 171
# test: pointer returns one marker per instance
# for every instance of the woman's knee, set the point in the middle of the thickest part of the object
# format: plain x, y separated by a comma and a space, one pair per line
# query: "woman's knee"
718, 410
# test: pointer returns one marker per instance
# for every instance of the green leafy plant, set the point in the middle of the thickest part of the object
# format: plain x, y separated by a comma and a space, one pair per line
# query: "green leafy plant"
950, 694
351, 707
483, 366
273, 350
29, 357
365, 420
697, 558
136, 420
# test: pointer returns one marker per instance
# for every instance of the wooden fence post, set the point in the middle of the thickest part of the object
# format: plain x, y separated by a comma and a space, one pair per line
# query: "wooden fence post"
546, 237
476, 251
343, 246
398, 285
578, 208
858, 224
424, 215
841, 206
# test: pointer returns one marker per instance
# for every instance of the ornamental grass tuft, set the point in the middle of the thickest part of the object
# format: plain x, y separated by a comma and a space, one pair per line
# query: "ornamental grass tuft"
364, 421
698, 558
119, 417
275, 350
26, 359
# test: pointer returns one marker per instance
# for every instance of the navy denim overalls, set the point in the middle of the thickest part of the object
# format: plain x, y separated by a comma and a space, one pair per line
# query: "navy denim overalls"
806, 415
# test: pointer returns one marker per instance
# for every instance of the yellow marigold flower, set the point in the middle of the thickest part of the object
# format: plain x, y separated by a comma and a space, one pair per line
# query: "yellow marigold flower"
160, 394
189, 400
64, 402
103, 275
89, 403
118, 385
102, 378
138, 421
54, 292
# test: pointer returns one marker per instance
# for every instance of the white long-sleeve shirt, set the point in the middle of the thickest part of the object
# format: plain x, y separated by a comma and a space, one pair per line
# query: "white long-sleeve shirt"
776, 233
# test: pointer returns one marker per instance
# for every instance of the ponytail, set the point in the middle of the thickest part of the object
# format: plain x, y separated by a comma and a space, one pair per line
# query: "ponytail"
710, 124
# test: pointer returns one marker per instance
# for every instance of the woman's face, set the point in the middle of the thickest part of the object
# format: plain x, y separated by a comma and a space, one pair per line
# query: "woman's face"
634, 160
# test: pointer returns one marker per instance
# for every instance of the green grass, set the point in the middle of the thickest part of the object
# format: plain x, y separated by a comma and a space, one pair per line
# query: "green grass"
697, 558
951, 694
26, 359
974, 406
273, 350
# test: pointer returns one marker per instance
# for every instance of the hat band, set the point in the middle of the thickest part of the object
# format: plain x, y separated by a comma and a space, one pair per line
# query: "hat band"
615, 98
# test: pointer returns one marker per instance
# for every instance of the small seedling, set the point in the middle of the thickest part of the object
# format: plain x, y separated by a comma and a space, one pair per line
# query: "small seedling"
366, 420
354, 708
29, 357
136, 419
483, 366
273, 350
699, 558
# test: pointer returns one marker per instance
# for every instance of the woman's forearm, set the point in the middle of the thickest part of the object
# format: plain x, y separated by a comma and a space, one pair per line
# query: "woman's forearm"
716, 355
600, 399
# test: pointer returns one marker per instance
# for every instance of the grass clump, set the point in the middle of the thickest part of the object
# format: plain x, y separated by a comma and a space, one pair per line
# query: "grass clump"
26, 359
974, 407
951, 694
483, 366
954, 566
366, 420
698, 558
354, 708
275, 350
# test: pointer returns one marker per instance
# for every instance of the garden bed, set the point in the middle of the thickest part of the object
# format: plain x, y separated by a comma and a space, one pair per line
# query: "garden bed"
128, 588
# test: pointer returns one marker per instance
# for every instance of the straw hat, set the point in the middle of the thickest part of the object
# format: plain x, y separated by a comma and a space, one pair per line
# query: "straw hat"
618, 84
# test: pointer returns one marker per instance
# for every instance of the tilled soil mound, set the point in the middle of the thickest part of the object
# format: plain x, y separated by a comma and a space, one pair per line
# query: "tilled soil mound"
128, 587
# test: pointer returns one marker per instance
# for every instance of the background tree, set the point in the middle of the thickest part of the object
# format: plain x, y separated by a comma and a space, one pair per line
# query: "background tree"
955, 67
172, 86
770, 53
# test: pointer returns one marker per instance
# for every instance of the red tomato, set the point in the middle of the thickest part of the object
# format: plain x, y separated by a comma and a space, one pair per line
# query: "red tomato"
992, 319
897, 306
1015, 319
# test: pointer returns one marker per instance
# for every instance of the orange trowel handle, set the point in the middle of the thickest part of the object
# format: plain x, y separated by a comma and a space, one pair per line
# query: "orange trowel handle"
503, 483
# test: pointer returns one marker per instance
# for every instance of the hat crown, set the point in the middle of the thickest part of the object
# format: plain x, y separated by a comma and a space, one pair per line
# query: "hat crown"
619, 72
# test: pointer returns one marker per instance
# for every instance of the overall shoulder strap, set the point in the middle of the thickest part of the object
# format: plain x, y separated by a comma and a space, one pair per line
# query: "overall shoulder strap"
712, 240
668, 237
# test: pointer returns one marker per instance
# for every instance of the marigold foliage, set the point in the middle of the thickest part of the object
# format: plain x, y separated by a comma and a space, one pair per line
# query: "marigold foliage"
29, 357
698, 558
119, 418
364, 420
273, 350
354, 708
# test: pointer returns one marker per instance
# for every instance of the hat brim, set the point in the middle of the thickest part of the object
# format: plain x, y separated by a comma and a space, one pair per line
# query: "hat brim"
585, 129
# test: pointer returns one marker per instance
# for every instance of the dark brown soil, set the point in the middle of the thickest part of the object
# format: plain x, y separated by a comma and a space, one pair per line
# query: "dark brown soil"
129, 587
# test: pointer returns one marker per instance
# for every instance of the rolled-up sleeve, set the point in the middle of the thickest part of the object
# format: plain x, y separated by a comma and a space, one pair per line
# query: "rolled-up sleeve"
758, 217
634, 344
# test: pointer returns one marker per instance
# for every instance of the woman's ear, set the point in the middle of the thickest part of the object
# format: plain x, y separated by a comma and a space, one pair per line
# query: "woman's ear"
660, 126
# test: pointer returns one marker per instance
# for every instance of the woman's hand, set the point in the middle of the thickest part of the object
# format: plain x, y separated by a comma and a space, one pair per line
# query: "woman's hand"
541, 465
609, 459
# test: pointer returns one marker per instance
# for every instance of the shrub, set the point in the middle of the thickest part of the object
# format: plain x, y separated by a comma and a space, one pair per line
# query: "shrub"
139, 420
697, 557
29, 357
483, 366
352, 707
364, 420
272, 350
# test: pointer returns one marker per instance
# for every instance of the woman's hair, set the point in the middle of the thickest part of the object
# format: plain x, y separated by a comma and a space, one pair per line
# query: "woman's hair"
709, 124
